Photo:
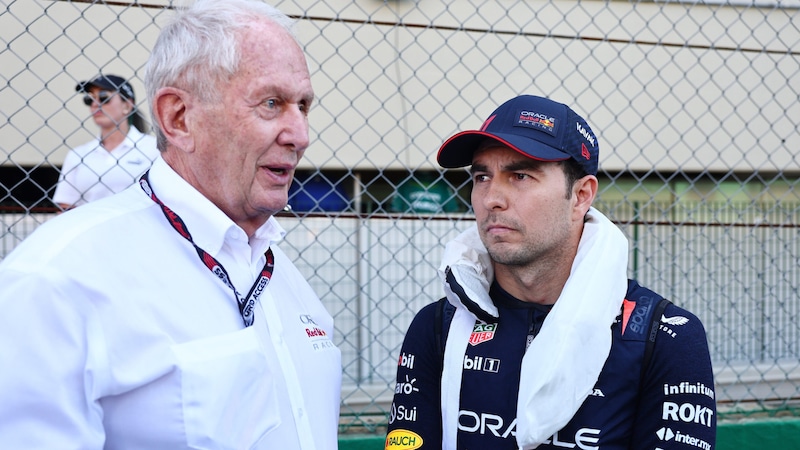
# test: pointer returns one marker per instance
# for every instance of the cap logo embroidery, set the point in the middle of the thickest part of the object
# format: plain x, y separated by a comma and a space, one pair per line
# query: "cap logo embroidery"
585, 152
539, 121
585, 134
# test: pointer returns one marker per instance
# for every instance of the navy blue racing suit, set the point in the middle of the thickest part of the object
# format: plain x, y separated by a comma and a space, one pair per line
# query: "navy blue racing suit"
669, 406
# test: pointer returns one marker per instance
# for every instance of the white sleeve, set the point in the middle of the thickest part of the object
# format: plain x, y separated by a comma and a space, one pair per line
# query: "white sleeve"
67, 188
46, 376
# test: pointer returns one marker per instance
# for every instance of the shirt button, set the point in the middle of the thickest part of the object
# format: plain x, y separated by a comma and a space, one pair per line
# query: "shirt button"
300, 412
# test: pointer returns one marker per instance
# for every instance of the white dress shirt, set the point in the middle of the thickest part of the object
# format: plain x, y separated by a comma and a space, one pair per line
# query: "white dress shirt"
91, 172
113, 334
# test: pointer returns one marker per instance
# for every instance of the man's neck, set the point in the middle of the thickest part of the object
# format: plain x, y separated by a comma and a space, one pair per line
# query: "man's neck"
542, 280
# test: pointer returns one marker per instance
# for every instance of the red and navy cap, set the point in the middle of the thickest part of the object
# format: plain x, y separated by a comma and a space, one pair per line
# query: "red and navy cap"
111, 83
537, 127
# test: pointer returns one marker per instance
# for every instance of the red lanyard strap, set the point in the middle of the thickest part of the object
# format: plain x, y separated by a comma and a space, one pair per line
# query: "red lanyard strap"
247, 303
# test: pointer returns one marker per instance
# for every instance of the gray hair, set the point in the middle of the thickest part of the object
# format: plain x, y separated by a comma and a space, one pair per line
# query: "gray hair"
197, 49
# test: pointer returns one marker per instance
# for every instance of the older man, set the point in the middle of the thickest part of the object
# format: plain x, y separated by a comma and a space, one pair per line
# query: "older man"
166, 316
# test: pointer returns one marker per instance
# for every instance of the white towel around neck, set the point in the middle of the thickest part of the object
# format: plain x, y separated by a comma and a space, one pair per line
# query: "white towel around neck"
563, 363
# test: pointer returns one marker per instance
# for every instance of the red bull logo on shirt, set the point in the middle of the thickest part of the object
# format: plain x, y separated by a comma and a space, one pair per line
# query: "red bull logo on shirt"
315, 332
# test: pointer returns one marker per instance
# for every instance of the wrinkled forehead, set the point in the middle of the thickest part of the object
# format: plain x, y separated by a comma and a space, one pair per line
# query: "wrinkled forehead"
266, 47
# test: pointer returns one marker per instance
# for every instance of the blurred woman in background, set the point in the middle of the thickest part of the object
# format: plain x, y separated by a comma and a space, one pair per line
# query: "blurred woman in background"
120, 154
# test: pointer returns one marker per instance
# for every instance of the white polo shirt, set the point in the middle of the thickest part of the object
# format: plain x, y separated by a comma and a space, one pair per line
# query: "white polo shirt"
114, 335
91, 172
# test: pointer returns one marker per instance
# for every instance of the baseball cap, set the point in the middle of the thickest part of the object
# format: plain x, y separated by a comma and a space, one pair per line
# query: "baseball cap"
536, 127
111, 83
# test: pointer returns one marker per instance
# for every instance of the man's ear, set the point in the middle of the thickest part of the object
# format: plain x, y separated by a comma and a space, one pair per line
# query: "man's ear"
170, 107
584, 191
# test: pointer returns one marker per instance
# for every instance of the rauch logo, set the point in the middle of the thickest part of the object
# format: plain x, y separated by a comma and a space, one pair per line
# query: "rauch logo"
403, 439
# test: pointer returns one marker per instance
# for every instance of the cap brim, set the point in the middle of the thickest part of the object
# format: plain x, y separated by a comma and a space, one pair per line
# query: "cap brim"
83, 86
459, 149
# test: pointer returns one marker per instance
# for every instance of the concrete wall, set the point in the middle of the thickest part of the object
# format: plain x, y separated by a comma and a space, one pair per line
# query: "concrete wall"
645, 74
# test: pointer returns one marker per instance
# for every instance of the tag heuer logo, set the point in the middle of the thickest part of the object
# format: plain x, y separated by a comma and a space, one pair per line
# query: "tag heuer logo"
482, 332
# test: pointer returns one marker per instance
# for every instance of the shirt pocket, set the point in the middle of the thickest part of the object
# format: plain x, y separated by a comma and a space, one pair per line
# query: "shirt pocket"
228, 392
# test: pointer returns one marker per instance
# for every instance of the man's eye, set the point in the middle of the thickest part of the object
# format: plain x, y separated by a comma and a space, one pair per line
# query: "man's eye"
271, 103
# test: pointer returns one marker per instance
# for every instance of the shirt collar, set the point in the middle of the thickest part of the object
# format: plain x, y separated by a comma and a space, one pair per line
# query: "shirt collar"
130, 141
133, 136
503, 299
208, 225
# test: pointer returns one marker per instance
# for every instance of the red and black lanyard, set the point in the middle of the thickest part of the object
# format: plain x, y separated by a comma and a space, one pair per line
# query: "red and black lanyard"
246, 304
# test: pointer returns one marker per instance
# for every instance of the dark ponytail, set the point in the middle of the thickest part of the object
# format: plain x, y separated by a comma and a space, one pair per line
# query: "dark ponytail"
137, 120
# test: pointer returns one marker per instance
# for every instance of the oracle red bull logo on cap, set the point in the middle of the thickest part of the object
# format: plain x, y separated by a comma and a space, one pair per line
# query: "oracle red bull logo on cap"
539, 120
482, 332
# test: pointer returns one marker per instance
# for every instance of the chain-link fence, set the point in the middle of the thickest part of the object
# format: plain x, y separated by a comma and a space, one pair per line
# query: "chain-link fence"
696, 106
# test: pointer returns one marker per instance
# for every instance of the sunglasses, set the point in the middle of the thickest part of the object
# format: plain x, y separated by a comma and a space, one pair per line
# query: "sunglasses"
102, 98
